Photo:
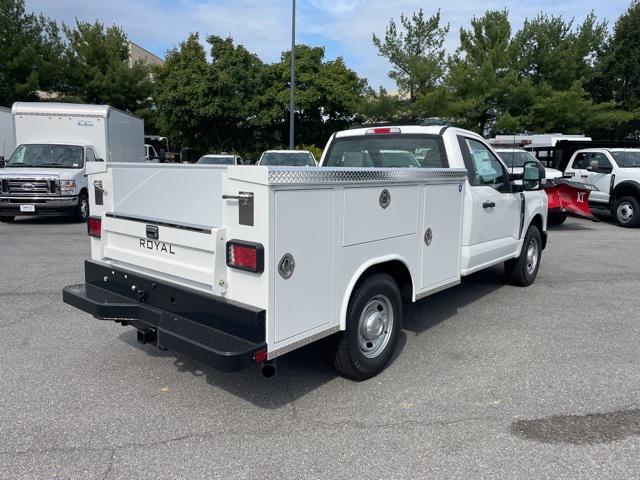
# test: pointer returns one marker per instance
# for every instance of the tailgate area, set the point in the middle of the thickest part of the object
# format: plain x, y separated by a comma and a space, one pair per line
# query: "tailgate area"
173, 252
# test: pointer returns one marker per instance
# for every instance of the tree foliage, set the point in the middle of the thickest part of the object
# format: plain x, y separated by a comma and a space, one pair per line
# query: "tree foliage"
618, 74
98, 70
415, 52
552, 74
31, 52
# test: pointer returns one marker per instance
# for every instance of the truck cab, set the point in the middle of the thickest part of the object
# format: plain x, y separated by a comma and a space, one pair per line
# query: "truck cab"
244, 264
49, 177
615, 173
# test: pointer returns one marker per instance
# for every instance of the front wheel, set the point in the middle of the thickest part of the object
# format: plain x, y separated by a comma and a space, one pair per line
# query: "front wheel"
522, 271
7, 219
626, 211
82, 210
374, 321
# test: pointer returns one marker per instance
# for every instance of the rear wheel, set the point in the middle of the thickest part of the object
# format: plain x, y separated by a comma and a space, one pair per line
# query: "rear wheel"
7, 219
374, 321
557, 218
522, 271
82, 210
626, 211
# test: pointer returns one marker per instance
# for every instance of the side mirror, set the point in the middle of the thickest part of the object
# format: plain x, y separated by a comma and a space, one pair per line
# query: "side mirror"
593, 166
99, 160
533, 176
3, 163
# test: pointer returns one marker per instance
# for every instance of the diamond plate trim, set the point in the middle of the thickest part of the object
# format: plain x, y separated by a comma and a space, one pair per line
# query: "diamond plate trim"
325, 175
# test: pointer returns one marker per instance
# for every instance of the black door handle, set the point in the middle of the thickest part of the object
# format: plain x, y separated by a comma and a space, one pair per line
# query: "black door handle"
488, 204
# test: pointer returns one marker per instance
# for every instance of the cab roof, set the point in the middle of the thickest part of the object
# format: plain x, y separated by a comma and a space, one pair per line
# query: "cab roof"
596, 149
405, 130
286, 151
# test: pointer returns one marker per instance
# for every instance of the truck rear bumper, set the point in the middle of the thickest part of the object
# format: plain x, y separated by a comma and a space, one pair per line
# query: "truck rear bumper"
222, 334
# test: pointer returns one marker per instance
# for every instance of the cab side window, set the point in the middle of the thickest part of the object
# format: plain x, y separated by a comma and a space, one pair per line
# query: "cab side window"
483, 167
603, 161
90, 155
581, 161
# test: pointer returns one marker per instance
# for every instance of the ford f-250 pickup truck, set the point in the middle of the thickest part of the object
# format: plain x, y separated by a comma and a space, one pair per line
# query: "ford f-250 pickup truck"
236, 266
615, 174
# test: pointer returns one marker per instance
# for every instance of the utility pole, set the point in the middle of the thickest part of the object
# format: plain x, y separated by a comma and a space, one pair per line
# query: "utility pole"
292, 111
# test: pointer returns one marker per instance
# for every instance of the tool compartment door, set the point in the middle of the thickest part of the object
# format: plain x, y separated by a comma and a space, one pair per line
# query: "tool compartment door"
303, 229
440, 239
379, 212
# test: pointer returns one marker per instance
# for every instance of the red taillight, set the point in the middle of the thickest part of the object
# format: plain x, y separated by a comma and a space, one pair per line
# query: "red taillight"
260, 356
245, 256
94, 227
382, 131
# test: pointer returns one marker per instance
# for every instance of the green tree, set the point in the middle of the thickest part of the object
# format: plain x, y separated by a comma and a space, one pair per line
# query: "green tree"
30, 53
328, 96
181, 95
382, 107
235, 83
549, 50
618, 77
480, 72
415, 51
98, 69
209, 105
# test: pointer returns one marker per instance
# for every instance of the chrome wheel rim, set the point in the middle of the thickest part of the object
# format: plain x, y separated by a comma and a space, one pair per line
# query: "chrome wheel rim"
532, 256
84, 208
375, 326
625, 212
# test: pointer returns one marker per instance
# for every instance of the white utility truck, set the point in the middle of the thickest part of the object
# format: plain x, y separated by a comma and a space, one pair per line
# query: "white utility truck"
615, 172
46, 173
7, 135
235, 266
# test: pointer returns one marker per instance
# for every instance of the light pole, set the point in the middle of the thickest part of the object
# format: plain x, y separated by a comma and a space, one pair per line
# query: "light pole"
292, 108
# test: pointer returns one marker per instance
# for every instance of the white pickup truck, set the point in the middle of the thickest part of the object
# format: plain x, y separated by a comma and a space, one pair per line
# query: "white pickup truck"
236, 266
615, 172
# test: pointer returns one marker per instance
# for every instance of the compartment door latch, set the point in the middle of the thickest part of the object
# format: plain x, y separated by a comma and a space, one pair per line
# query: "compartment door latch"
245, 207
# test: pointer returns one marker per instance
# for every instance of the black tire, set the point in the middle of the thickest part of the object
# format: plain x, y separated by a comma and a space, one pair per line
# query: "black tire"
626, 212
556, 218
347, 355
7, 219
82, 213
522, 271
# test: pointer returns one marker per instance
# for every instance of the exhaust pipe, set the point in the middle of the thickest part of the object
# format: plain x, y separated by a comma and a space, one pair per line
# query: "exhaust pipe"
268, 369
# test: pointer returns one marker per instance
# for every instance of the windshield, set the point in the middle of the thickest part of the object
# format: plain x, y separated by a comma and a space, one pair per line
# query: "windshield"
289, 159
627, 159
397, 151
217, 160
55, 156
516, 159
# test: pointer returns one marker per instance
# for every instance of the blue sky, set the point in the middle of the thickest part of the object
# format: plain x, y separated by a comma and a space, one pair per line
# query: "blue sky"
344, 27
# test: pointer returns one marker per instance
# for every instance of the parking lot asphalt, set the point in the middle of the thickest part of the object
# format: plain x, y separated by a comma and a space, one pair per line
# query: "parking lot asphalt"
491, 381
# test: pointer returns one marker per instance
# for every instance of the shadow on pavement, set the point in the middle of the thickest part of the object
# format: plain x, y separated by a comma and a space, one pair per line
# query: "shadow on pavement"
573, 226
43, 220
425, 314
306, 369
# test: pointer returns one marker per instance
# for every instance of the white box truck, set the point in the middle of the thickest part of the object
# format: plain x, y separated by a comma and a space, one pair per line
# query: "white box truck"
46, 174
7, 135
242, 264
